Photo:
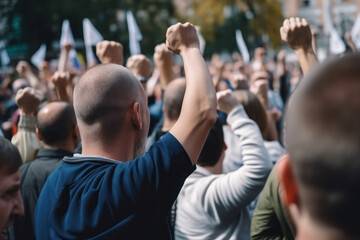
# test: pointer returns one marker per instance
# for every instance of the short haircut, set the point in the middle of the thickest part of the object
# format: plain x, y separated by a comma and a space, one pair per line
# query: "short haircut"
213, 146
254, 109
57, 129
102, 96
10, 159
323, 140
173, 98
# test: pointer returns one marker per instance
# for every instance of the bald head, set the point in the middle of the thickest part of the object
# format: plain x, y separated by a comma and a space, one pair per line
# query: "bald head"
173, 98
323, 139
102, 96
55, 122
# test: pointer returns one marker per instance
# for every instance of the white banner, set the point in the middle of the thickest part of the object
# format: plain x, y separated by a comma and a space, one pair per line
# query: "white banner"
5, 60
337, 46
202, 41
39, 56
242, 47
134, 34
355, 32
66, 34
91, 34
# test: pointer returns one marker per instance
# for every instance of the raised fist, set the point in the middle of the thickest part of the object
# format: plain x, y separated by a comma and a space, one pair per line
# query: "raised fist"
139, 65
110, 52
60, 79
297, 34
226, 101
162, 55
180, 37
28, 100
22, 67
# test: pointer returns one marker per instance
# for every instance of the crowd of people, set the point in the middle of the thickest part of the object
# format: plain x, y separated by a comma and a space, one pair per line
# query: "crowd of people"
197, 150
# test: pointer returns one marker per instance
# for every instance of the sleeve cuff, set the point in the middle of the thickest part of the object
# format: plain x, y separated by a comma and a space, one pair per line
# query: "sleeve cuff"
27, 122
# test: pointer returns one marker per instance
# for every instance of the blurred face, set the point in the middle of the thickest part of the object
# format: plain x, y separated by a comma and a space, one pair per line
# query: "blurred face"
10, 198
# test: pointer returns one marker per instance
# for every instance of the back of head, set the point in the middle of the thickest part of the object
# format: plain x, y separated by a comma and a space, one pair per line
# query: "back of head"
101, 98
253, 108
173, 98
55, 122
213, 146
323, 138
10, 159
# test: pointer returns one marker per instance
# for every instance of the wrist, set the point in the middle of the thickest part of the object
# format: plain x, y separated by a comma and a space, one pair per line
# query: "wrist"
189, 51
305, 51
23, 112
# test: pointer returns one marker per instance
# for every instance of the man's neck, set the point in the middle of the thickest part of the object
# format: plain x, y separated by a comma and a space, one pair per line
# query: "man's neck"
168, 124
307, 229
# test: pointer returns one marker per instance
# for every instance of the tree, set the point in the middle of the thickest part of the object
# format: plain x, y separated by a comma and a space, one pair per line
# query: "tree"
259, 19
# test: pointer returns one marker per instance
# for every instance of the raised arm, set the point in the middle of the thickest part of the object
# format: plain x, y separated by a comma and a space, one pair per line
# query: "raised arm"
25, 139
297, 34
64, 57
235, 190
164, 61
198, 113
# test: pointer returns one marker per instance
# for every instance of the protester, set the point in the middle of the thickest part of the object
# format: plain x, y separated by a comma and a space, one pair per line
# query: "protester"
56, 127
101, 193
11, 204
213, 205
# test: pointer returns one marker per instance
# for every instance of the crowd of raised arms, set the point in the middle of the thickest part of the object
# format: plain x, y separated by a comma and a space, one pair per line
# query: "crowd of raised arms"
197, 150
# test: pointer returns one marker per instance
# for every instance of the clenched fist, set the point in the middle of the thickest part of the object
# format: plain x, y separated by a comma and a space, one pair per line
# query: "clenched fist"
297, 34
162, 55
110, 52
227, 101
22, 68
180, 37
139, 65
28, 100
60, 79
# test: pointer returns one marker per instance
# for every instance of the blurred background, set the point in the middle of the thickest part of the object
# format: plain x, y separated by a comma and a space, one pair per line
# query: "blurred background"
26, 24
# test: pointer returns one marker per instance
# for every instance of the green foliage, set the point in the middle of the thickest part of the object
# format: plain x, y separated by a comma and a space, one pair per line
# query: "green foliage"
255, 18
41, 21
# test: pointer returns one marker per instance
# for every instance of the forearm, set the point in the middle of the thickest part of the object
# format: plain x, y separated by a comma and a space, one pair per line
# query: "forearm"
307, 59
64, 56
166, 73
63, 94
25, 139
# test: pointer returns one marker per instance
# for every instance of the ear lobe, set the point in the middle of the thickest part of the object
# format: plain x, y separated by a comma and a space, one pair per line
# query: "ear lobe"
136, 116
287, 181
76, 133
38, 134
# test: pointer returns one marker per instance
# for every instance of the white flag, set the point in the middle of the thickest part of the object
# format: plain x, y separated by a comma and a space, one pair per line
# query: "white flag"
201, 40
327, 17
337, 45
242, 47
66, 34
39, 56
134, 34
355, 32
5, 60
91, 34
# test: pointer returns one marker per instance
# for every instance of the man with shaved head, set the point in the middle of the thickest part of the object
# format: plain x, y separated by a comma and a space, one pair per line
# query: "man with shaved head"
56, 128
172, 103
112, 190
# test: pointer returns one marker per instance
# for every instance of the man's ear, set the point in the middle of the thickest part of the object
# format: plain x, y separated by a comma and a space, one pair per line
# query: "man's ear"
38, 134
290, 194
136, 116
75, 133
